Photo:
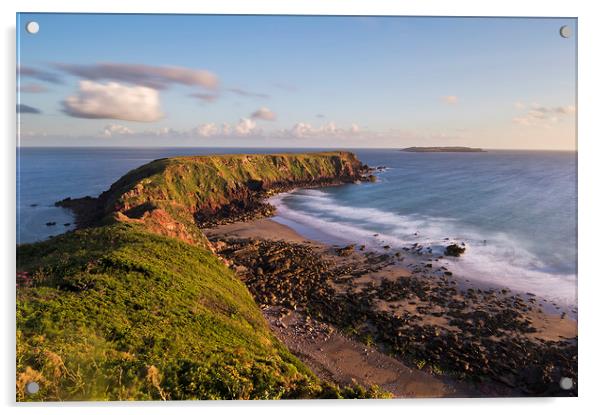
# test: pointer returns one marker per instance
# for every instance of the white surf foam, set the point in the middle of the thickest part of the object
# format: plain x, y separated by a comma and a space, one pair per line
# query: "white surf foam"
499, 260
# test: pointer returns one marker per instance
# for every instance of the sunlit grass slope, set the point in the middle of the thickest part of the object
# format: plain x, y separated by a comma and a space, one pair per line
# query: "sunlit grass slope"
120, 311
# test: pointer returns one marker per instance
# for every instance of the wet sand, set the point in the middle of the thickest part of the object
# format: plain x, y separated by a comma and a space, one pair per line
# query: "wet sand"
330, 354
339, 359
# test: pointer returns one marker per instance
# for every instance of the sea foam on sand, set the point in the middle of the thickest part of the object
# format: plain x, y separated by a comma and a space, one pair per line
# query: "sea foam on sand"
494, 259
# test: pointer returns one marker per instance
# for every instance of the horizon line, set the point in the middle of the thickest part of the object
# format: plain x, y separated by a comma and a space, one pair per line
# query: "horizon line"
285, 147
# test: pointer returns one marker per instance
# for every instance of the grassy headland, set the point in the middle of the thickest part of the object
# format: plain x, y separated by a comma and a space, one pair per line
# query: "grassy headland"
175, 196
137, 307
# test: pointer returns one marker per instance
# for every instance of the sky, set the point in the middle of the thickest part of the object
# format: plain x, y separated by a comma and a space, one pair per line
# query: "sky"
296, 81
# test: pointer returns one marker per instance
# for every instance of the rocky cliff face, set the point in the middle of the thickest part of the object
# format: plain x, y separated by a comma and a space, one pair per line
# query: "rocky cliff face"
177, 196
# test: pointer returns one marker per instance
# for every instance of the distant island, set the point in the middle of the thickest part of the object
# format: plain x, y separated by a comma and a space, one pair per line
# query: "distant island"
443, 150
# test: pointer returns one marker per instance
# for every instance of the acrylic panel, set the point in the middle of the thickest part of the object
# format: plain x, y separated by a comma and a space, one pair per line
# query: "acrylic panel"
295, 207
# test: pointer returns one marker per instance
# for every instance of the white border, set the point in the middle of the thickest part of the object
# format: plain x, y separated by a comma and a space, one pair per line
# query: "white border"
590, 175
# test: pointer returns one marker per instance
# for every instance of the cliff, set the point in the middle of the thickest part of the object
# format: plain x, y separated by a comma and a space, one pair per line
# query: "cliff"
177, 196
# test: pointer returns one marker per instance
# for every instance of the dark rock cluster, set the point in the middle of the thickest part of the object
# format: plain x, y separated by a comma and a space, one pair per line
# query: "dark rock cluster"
235, 212
423, 319
454, 250
249, 202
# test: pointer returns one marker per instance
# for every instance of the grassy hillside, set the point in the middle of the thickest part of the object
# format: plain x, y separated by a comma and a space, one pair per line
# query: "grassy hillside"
122, 311
119, 313
205, 183
172, 196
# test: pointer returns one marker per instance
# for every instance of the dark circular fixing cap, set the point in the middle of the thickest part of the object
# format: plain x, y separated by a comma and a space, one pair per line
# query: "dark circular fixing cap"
32, 387
566, 383
565, 32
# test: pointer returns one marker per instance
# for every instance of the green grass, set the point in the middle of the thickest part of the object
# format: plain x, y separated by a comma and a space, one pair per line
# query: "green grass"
184, 186
139, 308
210, 181
120, 313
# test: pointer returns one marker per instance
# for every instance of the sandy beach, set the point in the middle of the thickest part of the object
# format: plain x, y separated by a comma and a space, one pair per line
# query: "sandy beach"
347, 356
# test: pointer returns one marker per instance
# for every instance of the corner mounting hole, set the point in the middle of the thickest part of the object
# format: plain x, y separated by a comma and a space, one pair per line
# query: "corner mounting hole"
566, 32
32, 27
566, 383
32, 388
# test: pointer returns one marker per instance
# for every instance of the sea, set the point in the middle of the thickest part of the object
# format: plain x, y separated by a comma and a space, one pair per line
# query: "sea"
515, 211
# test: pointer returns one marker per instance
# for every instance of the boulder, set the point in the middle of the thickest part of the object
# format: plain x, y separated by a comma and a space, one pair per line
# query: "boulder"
454, 250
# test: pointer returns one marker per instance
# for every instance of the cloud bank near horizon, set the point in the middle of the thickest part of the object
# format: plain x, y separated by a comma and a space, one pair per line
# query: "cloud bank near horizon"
536, 115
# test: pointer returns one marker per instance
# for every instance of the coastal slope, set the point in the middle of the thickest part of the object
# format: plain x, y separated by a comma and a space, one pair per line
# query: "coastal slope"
118, 313
131, 307
176, 196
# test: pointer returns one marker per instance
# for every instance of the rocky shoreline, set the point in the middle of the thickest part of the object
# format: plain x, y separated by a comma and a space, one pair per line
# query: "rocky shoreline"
211, 190
255, 206
494, 342
403, 304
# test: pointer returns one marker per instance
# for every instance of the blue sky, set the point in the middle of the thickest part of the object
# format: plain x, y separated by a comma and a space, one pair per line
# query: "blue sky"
296, 81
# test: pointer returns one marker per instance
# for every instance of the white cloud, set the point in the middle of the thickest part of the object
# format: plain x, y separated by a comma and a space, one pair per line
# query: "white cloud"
538, 115
207, 130
114, 101
166, 132
115, 129
226, 129
245, 126
265, 114
303, 129
450, 99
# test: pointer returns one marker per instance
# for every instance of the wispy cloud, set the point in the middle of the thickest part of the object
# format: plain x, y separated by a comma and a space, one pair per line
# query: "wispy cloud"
156, 77
205, 97
244, 93
114, 101
284, 86
115, 130
32, 88
450, 99
39, 74
265, 114
26, 109
539, 115
304, 129
243, 127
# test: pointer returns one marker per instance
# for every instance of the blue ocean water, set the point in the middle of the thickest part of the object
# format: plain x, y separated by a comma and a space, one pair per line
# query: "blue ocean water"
47, 175
515, 210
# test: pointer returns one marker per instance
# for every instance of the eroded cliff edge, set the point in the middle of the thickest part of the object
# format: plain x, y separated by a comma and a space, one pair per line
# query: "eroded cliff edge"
177, 196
